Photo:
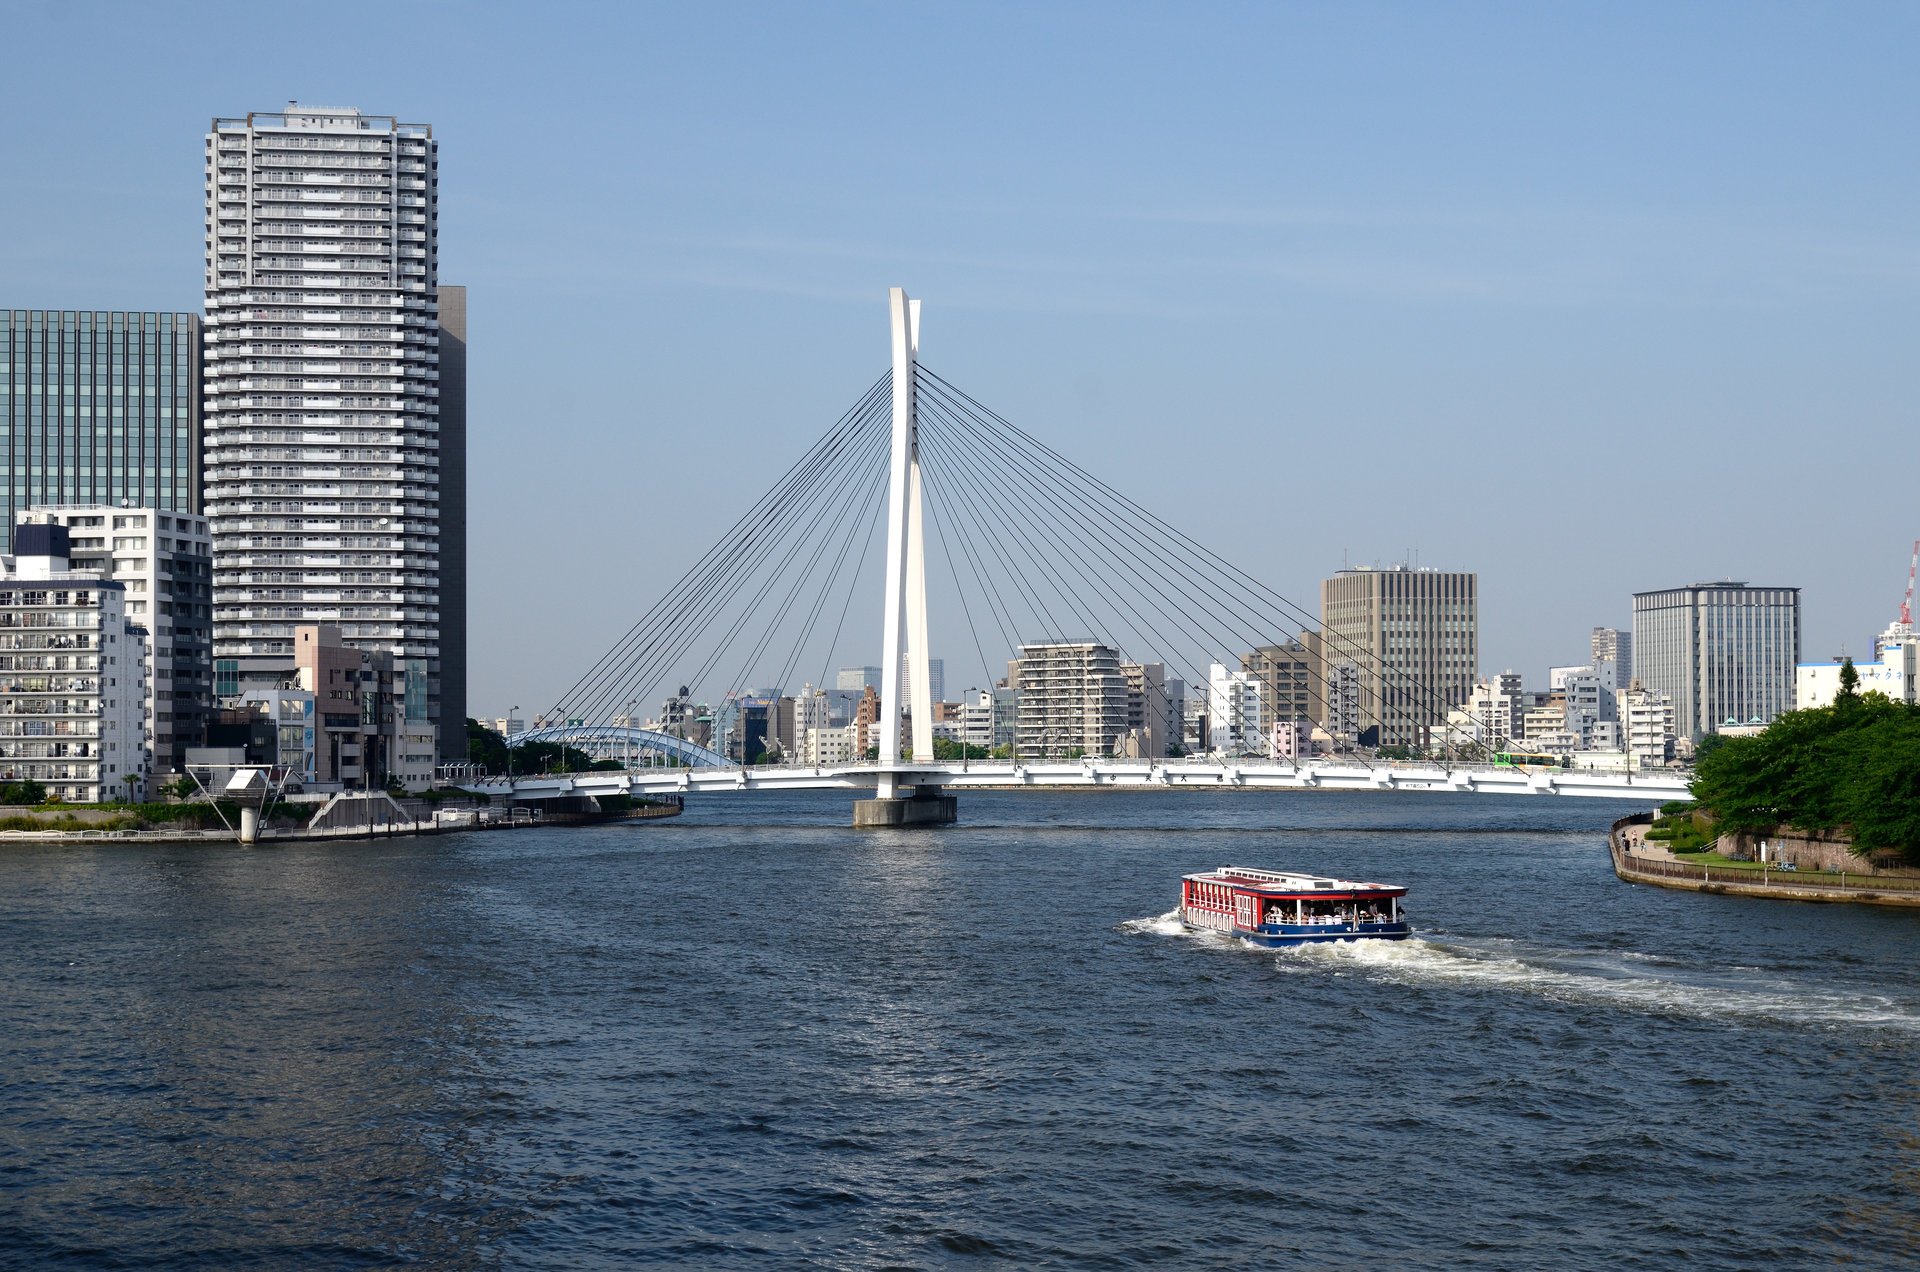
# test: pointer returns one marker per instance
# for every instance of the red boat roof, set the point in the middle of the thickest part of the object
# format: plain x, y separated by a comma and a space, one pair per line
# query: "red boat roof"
1287, 883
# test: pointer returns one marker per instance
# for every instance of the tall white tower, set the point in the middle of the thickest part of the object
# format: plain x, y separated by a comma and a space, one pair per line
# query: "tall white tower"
322, 421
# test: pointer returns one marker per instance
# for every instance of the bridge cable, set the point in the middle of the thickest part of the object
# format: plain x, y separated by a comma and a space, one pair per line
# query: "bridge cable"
1204, 557
742, 531
723, 569
693, 611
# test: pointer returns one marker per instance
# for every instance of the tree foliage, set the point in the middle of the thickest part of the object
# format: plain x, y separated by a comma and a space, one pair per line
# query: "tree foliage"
1851, 767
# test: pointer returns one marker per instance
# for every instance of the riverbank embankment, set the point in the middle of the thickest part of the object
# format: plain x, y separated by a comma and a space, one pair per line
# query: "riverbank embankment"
382, 819
1637, 860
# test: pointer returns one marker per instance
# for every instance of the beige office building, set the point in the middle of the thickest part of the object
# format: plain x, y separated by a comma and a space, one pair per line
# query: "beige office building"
1412, 637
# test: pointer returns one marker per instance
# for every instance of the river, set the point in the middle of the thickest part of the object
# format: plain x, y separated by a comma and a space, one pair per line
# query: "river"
754, 1037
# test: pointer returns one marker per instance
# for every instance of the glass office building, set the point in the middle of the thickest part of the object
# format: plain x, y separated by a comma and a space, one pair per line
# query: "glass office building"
1725, 652
98, 408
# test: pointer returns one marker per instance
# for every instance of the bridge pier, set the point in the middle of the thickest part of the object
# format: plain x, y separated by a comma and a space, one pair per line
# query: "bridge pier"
927, 806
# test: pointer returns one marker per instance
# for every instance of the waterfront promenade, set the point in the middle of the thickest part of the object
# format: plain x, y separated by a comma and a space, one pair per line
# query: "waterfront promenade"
1638, 860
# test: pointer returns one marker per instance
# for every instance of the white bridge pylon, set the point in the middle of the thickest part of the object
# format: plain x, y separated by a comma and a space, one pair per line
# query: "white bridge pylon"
904, 618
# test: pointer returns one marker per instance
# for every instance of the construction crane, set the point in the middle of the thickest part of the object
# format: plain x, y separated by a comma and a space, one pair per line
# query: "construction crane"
1906, 605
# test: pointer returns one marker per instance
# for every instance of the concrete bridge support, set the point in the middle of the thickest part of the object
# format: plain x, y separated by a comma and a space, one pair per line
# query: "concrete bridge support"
927, 806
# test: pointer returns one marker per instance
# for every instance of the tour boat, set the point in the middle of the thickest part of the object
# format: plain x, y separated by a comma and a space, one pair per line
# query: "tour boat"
1274, 907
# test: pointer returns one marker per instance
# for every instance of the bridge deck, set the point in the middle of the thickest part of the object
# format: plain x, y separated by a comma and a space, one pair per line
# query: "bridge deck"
1465, 779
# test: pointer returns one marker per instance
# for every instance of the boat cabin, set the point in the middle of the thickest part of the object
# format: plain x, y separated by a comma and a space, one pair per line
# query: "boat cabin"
1288, 907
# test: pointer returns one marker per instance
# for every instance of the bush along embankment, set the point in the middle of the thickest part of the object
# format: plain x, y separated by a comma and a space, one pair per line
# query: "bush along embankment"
107, 817
1850, 769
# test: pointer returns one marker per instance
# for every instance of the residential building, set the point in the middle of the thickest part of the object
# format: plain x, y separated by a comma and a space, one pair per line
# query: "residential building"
1647, 725
829, 744
1544, 726
1146, 732
866, 720
1413, 639
1072, 699
1593, 711
1176, 733
1193, 725
165, 560
1292, 679
988, 717
1290, 739
1490, 719
1343, 705
98, 408
368, 724
1613, 654
1235, 725
73, 665
334, 411
1724, 652
1498, 703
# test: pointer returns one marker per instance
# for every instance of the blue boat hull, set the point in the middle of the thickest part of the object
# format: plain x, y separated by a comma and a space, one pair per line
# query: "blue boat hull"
1285, 934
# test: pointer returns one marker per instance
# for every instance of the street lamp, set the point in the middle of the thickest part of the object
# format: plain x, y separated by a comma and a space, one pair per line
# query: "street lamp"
512, 714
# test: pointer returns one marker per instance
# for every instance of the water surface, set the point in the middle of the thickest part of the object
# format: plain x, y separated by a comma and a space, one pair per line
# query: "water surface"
755, 1037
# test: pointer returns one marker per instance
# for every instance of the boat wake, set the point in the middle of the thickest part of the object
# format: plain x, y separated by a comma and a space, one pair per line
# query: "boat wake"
1168, 924
1629, 980
1607, 978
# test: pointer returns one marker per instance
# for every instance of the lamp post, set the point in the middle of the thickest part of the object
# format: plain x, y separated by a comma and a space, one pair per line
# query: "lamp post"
512, 714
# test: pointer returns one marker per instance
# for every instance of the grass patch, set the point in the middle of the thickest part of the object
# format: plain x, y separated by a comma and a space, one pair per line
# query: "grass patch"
1719, 862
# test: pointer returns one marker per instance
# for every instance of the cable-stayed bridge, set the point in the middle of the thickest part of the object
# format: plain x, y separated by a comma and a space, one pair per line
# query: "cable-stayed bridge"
1037, 551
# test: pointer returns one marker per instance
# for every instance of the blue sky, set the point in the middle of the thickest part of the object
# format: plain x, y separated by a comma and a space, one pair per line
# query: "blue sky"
1587, 298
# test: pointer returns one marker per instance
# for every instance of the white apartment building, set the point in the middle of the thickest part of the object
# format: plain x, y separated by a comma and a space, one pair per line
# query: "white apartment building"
1593, 711
1234, 723
165, 561
1496, 710
1613, 655
1648, 723
1072, 699
334, 483
821, 744
73, 678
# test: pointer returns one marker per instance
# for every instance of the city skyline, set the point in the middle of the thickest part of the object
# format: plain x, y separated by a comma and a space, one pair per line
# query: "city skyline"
1589, 301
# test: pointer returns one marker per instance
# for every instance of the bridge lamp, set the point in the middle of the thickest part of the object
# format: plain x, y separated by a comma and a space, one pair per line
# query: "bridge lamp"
513, 713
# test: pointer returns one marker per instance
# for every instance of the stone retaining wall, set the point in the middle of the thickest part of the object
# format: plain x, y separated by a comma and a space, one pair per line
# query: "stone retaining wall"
1816, 850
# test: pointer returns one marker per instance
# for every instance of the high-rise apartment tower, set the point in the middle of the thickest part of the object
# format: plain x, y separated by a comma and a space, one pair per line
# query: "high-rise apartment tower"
334, 475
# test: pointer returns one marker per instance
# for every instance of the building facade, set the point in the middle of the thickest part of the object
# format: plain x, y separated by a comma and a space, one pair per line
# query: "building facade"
165, 561
73, 665
99, 408
1895, 673
1647, 726
1235, 725
1725, 653
1412, 638
1291, 678
1148, 708
1613, 654
1072, 699
358, 712
330, 464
